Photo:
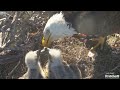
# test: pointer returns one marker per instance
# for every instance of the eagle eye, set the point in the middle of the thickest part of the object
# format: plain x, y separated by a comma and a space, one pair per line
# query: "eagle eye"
47, 31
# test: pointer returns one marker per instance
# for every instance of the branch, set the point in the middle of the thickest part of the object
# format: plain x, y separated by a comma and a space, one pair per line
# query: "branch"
11, 58
13, 69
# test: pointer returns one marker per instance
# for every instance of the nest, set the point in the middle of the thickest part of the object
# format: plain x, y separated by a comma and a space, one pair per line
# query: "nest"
75, 52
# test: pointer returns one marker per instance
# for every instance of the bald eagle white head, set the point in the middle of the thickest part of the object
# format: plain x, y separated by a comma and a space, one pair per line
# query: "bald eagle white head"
55, 28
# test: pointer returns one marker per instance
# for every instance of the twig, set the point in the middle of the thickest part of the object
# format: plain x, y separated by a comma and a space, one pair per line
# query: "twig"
10, 59
115, 68
14, 18
2, 19
14, 69
109, 71
89, 77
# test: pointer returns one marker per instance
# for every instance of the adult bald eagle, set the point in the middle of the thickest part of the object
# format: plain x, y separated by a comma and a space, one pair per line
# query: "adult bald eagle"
101, 23
55, 28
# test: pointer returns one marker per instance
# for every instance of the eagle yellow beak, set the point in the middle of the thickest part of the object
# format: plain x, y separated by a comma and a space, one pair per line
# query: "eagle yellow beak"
46, 42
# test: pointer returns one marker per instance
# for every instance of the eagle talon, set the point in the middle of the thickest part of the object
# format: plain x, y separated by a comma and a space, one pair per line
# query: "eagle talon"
100, 43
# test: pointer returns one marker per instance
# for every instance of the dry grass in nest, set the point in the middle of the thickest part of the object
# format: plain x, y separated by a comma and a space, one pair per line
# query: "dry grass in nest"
74, 52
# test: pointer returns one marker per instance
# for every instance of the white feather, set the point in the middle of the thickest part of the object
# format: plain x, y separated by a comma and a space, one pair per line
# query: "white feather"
31, 59
56, 57
58, 27
33, 64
